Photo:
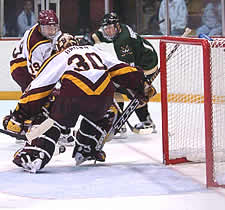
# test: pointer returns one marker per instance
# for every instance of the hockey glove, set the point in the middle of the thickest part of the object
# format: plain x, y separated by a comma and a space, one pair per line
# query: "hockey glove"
140, 92
15, 121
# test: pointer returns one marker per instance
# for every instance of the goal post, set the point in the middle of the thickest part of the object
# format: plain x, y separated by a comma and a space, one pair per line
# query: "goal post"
193, 104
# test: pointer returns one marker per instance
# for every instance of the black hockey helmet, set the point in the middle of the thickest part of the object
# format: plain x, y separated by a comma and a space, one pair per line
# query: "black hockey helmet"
110, 18
110, 26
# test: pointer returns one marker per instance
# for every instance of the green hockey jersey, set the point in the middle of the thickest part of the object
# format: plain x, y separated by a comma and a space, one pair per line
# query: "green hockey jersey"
132, 48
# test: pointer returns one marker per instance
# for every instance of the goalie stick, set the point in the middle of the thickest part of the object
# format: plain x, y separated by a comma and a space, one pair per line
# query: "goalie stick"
117, 125
14, 135
133, 129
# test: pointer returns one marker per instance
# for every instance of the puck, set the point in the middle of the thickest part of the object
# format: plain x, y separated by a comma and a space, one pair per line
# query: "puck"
62, 149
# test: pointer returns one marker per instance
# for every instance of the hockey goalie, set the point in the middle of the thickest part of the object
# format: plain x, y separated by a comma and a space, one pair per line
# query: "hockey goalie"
87, 77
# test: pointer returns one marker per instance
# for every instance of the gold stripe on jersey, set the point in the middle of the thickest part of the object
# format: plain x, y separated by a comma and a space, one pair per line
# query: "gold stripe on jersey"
122, 71
85, 88
29, 49
35, 46
17, 65
46, 62
28, 40
34, 97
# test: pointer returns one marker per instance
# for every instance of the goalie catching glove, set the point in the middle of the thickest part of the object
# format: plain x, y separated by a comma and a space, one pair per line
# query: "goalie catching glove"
143, 92
16, 121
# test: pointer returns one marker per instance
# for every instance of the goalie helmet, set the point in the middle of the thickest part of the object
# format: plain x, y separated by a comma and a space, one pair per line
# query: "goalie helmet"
66, 40
110, 26
49, 24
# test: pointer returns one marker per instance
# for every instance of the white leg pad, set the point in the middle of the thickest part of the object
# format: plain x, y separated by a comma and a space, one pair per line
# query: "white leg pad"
38, 130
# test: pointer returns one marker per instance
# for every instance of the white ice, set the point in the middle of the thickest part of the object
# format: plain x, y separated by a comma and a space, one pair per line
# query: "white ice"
133, 177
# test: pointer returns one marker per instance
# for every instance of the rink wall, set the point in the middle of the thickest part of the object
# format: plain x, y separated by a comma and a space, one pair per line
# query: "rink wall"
9, 90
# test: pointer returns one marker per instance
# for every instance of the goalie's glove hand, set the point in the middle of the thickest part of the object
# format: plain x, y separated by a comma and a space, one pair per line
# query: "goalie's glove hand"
145, 92
15, 121
6, 120
140, 92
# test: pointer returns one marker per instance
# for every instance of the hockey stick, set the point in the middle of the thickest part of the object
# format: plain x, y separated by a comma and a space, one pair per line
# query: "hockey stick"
156, 73
204, 36
133, 129
14, 135
117, 125
121, 120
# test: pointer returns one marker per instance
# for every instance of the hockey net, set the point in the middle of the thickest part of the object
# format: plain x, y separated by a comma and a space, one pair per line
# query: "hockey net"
193, 104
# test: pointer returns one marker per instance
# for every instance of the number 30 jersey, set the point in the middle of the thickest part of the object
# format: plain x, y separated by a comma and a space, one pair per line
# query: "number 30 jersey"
82, 70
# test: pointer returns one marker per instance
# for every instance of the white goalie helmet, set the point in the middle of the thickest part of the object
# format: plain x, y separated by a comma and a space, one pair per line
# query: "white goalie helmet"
66, 40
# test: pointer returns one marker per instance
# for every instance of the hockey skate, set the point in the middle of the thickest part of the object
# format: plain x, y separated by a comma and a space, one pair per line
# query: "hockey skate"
146, 127
122, 134
66, 138
81, 154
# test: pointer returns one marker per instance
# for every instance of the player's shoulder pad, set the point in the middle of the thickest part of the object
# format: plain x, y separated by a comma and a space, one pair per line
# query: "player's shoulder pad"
132, 34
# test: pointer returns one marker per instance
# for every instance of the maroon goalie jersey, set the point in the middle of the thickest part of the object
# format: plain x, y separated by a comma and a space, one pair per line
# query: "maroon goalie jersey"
82, 71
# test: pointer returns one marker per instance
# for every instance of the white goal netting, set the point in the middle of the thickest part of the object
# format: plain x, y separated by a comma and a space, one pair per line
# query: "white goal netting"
187, 127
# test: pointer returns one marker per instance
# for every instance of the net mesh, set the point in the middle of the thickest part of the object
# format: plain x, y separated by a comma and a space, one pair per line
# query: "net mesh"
185, 95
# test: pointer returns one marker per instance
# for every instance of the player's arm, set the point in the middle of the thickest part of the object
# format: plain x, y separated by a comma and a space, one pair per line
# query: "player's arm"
146, 56
91, 39
36, 95
94, 38
18, 66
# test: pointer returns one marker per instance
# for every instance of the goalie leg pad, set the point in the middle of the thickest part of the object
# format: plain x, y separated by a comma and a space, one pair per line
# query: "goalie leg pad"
37, 153
90, 136
29, 159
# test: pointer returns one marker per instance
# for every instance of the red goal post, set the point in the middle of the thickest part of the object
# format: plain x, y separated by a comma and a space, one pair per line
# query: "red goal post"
193, 104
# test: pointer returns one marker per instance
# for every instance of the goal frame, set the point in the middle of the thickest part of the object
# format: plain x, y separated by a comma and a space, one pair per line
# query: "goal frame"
210, 182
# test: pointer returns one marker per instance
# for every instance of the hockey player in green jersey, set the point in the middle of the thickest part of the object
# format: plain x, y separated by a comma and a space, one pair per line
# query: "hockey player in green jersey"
132, 49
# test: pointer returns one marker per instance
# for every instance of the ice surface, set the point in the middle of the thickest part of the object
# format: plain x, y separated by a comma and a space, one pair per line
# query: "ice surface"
132, 177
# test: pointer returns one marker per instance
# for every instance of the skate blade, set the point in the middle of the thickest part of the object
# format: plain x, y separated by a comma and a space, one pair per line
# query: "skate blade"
145, 131
120, 137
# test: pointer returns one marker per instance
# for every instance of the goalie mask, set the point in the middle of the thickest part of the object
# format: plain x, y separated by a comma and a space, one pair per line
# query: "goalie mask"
110, 26
66, 40
49, 24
